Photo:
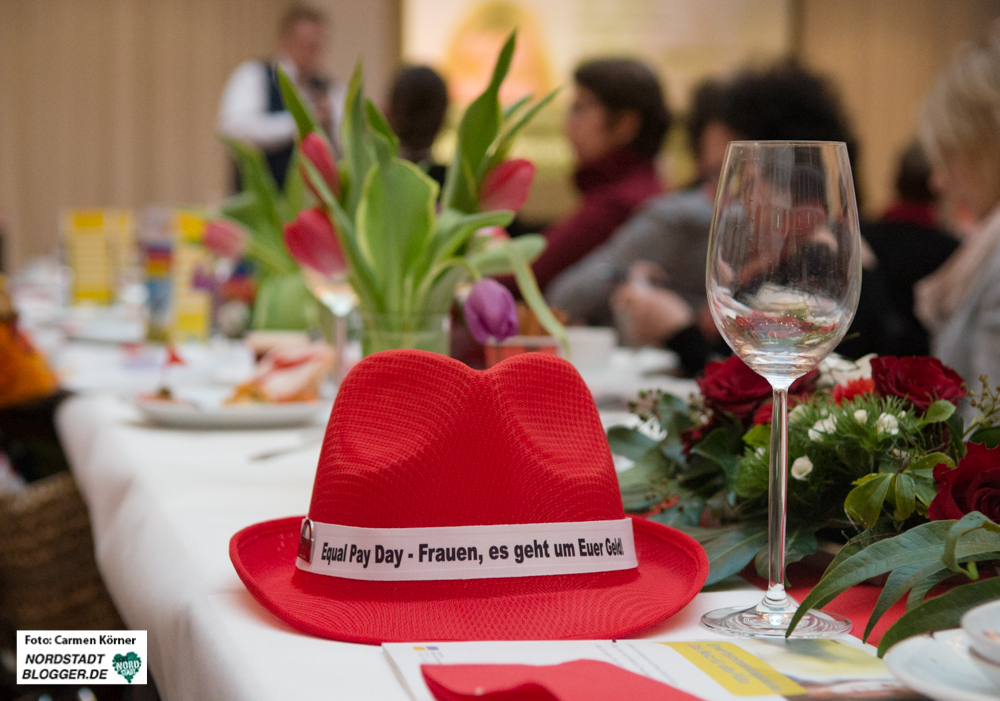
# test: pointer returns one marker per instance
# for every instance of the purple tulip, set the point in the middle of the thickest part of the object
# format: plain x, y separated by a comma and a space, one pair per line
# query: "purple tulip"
490, 312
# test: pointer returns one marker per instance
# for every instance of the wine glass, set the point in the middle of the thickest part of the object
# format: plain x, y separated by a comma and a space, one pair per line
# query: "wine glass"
783, 278
336, 294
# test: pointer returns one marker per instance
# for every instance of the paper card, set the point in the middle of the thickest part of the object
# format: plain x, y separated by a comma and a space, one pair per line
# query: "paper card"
715, 670
191, 314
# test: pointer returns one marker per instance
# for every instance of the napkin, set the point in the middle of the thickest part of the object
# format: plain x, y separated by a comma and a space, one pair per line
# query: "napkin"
580, 680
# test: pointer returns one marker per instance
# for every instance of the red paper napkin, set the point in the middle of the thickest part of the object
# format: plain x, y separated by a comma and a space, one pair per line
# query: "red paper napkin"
581, 680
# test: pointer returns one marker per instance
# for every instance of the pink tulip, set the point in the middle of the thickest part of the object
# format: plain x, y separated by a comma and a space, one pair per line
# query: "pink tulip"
312, 242
226, 238
317, 150
490, 311
507, 186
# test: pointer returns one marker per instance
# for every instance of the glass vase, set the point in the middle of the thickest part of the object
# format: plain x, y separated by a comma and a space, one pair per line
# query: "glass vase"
419, 330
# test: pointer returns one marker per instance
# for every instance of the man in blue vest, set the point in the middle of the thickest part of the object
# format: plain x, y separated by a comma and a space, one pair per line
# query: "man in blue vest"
252, 110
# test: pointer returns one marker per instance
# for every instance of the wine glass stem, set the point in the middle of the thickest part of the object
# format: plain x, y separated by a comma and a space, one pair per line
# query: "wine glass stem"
777, 499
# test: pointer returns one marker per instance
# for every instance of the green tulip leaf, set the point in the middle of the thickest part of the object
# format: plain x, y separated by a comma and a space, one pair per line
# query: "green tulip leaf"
476, 131
294, 104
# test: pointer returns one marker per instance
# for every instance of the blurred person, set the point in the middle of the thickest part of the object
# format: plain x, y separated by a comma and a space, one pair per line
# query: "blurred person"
615, 125
784, 102
910, 244
252, 110
669, 234
960, 130
418, 102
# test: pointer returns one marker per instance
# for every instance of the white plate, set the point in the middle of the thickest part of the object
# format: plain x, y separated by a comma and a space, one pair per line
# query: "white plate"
185, 415
938, 665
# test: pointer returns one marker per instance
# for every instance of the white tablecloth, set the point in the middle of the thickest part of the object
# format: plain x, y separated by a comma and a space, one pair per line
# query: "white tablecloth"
164, 504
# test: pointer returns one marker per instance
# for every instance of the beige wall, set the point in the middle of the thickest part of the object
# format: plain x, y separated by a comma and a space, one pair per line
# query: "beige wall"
113, 102
884, 55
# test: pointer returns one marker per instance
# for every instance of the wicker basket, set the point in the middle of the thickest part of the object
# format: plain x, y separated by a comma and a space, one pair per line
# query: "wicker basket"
48, 575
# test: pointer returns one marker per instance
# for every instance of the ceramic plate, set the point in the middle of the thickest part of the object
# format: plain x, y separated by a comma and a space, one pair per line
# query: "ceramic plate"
938, 665
220, 416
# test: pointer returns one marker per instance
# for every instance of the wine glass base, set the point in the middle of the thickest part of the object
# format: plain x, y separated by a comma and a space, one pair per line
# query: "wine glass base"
753, 623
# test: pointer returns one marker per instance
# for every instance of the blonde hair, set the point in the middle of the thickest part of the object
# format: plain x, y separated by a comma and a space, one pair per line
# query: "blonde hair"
961, 115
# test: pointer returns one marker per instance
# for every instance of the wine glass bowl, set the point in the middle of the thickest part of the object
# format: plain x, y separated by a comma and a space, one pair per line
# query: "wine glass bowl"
783, 279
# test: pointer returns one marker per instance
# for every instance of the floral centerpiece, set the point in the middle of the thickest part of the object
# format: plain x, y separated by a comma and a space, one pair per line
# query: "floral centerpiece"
878, 457
404, 247
249, 227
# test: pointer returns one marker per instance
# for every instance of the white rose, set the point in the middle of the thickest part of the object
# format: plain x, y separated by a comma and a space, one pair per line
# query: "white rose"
798, 412
861, 416
801, 468
822, 427
887, 423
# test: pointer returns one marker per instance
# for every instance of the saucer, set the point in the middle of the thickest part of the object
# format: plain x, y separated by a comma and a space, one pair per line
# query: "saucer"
938, 665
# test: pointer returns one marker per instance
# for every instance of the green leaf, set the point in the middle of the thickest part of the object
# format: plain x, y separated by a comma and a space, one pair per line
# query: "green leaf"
295, 104
532, 295
510, 111
799, 543
394, 222
629, 442
920, 589
685, 513
506, 141
478, 129
939, 411
715, 448
924, 467
864, 503
358, 148
651, 465
495, 261
455, 230
731, 551
759, 436
941, 612
923, 545
900, 581
379, 125
965, 525
989, 436
956, 431
906, 500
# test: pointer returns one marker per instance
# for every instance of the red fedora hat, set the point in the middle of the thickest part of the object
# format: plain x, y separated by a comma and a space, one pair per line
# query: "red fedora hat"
455, 504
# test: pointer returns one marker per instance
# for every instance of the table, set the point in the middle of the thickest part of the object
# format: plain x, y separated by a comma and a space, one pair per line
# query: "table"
164, 504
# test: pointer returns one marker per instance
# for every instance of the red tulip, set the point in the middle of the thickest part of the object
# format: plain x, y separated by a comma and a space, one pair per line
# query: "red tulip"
507, 186
312, 242
317, 150
226, 238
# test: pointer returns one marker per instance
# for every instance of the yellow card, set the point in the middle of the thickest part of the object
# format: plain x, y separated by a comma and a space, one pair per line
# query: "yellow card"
192, 309
736, 670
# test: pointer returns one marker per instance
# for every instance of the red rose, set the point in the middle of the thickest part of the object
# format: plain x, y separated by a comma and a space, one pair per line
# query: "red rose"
852, 389
732, 387
919, 379
972, 486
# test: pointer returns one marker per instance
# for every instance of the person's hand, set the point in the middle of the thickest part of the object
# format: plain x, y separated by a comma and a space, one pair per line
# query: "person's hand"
655, 314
